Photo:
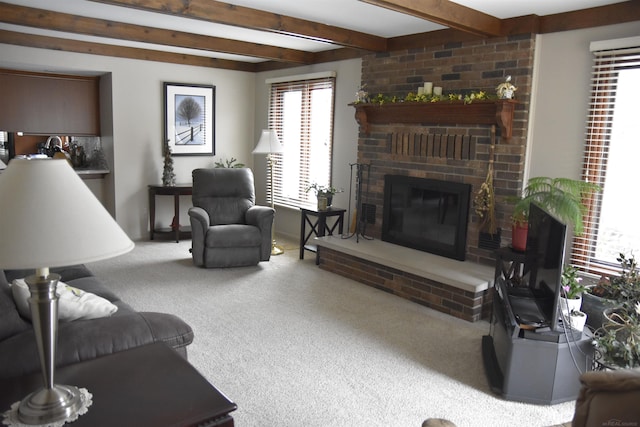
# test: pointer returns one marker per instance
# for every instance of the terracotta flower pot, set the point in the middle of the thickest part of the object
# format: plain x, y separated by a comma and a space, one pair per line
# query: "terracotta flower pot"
519, 237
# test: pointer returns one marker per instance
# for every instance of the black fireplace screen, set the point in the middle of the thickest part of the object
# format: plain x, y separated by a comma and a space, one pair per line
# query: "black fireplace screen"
426, 214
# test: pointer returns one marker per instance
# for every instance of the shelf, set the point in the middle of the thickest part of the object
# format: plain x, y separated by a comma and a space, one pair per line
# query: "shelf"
440, 113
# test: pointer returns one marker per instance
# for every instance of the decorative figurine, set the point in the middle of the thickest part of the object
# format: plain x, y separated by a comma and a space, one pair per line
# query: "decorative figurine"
505, 90
362, 95
168, 177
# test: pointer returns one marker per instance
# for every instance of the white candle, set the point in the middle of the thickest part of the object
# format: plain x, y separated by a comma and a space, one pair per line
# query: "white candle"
428, 88
437, 91
420, 90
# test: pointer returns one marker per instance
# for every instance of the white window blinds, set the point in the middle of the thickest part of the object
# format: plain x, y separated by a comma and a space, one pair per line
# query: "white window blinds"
610, 144
301, 113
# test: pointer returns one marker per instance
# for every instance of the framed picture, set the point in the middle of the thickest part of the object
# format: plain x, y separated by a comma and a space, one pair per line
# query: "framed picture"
189, 114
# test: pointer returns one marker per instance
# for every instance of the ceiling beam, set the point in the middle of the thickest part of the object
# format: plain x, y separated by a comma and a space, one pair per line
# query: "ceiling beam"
616, 13
44, 19
230, 14
66, 45
446, 13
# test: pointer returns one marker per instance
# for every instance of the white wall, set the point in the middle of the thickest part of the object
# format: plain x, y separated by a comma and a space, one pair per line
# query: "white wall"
561, 96
345, 135
137, 100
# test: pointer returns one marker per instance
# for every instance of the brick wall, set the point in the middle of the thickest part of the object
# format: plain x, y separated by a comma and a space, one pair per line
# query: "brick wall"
456, 302
458, 68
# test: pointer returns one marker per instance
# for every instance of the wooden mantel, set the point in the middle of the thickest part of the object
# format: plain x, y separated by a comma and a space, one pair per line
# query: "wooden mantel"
439, 113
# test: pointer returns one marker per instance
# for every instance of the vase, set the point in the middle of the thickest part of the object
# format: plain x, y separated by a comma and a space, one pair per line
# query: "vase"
567, 305
593, 306
519, 237
576, 320
322, 203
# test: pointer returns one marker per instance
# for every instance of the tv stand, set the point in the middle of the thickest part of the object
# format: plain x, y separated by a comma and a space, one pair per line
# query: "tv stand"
541, 367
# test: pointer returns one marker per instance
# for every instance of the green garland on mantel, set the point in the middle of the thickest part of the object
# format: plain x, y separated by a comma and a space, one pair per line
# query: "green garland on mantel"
468, 98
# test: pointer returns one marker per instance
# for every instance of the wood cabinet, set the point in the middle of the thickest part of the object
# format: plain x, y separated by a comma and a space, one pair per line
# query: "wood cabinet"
443, 112
49, 104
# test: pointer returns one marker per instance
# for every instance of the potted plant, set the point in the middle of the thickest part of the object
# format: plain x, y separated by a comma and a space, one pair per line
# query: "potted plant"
576, 319
228, 163
572, 290
562, 197
617, 341
595, 300
324, 193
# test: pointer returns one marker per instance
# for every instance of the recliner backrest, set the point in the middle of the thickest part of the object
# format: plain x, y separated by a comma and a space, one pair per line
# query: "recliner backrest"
225, 193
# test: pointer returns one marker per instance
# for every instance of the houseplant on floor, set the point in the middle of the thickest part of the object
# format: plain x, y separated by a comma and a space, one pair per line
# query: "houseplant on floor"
617, 341
562, 197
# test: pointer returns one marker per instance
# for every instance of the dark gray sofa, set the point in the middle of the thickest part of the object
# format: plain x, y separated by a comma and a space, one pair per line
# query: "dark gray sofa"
80, 340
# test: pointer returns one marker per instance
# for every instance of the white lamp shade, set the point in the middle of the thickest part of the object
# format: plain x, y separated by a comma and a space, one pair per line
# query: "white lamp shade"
2, 165
269, 143
50, 218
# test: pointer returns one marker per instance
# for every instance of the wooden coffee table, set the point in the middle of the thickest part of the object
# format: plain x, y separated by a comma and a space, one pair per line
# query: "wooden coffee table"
151, 385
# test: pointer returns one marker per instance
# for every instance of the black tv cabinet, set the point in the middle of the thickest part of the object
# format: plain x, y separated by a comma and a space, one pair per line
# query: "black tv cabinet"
533, 365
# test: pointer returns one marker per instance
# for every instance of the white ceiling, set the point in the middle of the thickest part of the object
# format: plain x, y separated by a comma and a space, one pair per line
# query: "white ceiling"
349, 14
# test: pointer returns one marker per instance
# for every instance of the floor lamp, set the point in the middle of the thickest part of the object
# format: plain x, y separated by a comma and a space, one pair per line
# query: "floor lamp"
269, 144
50, 218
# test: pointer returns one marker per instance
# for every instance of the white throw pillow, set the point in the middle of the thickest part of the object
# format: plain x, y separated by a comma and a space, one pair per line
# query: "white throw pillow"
73, 303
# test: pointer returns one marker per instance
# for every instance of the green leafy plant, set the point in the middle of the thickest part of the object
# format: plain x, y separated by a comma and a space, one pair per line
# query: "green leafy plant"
467, 98
618, 340
561, 196
322, 190
228, 163
572, 286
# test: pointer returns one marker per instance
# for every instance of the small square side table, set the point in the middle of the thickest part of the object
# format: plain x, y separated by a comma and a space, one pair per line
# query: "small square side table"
317, 221
147, 386
175, 229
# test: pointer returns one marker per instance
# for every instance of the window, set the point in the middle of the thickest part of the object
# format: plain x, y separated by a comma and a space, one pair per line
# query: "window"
301, 113
611, 152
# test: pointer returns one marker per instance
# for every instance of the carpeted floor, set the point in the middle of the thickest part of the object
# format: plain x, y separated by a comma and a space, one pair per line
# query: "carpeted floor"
294, 345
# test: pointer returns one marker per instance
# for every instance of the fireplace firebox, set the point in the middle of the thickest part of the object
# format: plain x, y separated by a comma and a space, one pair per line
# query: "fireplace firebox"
426, 214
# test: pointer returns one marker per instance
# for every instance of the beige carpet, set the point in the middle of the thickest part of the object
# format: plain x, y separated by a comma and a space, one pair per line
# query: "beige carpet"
294, 345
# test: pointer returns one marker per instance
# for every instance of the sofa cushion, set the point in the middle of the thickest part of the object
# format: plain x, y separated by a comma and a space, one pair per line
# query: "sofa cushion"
73, 303
88, 339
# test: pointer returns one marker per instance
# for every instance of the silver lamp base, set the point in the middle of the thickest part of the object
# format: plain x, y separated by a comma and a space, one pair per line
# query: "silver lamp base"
49, 405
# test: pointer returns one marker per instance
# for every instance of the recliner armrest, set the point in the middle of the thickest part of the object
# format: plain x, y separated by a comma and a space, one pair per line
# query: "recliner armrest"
260, 216
200, 215
199, 219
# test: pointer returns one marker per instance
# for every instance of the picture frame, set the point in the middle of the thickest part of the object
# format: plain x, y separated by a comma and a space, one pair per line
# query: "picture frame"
189, 117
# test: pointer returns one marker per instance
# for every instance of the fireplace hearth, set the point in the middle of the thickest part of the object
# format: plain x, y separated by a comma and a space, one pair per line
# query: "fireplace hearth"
426, 214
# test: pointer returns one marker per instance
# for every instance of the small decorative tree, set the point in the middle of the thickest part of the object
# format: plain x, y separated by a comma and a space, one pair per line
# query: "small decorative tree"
168, 177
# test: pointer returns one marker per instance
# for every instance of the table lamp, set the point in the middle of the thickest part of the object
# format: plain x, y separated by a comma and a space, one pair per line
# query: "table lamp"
50, 218
269, 143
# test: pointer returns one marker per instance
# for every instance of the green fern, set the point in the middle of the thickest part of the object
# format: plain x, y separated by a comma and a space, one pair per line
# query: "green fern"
560, 196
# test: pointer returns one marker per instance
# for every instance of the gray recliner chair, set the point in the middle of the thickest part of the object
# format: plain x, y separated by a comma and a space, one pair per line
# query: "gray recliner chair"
227, 228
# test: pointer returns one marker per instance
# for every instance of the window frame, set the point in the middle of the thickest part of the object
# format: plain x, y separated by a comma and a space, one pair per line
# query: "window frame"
610, 57
278, 88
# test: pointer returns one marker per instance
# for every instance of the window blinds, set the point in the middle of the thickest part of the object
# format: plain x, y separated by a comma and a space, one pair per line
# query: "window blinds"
604, 85
303, 121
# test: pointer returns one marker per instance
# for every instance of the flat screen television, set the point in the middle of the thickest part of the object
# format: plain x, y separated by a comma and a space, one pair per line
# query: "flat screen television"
544, 254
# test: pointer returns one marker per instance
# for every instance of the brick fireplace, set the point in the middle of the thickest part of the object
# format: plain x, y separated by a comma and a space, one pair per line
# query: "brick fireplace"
449, 152
457, 153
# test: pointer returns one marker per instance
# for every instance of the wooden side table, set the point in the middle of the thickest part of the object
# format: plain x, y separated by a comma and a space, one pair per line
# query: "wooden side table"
176, 191
147, 386
319, 227
510, 266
